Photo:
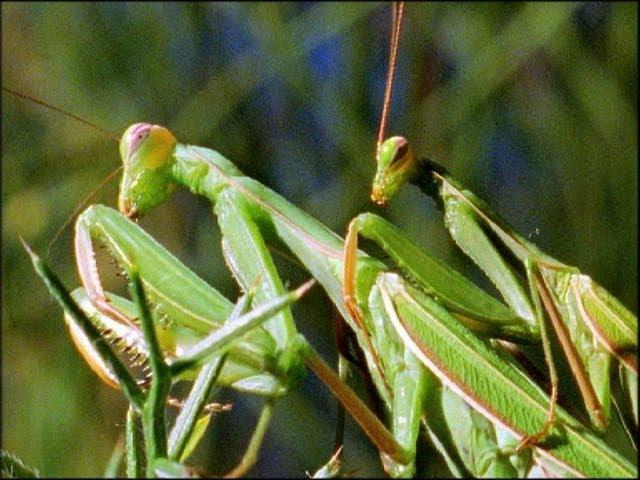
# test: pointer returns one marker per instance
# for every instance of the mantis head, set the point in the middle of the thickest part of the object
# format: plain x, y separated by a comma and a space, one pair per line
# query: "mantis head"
147, 157
395, 165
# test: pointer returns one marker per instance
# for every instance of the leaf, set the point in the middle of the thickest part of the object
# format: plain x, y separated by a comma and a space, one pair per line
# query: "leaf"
196, 435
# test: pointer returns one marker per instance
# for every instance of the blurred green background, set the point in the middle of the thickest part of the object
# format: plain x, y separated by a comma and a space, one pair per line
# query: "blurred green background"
532, 106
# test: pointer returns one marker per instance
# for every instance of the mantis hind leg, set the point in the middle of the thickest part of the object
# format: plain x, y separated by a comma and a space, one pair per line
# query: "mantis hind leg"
248, 259
465, 229
538, 291
349, 294
487, 315
88, 271
251, 454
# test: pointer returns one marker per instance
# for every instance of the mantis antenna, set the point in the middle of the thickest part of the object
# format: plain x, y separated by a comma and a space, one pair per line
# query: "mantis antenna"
29, 98
83, 204
396, 27
103, 131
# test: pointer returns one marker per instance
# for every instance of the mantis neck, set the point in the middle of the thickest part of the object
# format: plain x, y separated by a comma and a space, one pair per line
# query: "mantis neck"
206, 172
203, 171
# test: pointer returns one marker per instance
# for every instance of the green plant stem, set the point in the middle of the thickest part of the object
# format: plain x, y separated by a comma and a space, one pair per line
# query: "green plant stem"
193, 406
62, 296
134, 469
251, 455
153, 411
372, 426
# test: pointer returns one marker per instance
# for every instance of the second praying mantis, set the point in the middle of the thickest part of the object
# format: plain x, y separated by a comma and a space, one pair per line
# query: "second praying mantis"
592, 326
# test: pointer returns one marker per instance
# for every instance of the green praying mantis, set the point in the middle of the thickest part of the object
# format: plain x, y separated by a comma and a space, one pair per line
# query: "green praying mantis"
394, 299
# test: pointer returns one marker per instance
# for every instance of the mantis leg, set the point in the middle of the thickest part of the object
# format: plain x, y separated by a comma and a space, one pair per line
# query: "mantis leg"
409, 383
248, 258
537, 293
486, 449
88, 270
588, 358
247, 255
452, 290
629, 382
350, 301
188, 308
251, 455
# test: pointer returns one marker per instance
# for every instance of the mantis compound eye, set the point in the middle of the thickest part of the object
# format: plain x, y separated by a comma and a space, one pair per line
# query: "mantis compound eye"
138, 134
402, 149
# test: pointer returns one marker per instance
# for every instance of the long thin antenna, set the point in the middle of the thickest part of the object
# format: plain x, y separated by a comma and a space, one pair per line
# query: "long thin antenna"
100, 129
96, 127
82, 204
396, 27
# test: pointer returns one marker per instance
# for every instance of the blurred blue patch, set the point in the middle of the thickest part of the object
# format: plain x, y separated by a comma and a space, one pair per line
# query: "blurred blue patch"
235, 36
328, 76
269, 98
301, 161
508, 158
512, 180
327, 61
